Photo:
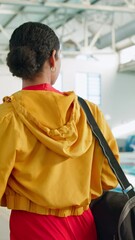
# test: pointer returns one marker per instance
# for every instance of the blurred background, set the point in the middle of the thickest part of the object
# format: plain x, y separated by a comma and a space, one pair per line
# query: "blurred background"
98, 61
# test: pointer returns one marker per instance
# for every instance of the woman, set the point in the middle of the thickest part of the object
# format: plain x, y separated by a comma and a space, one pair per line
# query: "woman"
51, 166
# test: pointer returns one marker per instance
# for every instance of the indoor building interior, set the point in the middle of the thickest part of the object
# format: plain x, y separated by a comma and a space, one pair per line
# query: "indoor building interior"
97, 40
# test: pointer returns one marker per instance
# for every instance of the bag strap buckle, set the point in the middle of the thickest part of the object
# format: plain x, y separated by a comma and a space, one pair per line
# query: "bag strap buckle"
129, 191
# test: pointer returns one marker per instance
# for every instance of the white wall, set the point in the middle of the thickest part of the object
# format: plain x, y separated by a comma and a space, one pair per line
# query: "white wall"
8, 83
122, 98
4, 223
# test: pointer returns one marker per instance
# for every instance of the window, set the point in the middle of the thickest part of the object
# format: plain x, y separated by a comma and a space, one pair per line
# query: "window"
88, 86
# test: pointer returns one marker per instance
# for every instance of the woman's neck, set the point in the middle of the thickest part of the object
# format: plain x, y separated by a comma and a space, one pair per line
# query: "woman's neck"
27, 83
38, 79
44, 76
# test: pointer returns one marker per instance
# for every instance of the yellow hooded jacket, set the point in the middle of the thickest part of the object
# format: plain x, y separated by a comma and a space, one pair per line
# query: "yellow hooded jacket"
50, 163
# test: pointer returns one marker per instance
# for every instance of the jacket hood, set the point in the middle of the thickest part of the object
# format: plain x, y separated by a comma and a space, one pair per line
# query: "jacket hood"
56, 120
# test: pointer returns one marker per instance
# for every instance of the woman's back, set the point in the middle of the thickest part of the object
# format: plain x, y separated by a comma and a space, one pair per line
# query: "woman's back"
53, 166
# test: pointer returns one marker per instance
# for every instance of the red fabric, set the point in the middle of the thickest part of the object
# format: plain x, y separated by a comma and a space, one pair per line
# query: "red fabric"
30, 226
44, 86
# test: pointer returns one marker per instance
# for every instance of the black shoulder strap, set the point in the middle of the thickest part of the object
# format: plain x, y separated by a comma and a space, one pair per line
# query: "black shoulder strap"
122, 179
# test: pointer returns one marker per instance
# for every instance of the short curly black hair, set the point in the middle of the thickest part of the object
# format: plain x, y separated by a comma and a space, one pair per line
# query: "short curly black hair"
31, 44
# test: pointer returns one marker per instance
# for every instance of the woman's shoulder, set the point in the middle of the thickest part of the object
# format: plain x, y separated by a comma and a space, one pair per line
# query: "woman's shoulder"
94, 109
97, 114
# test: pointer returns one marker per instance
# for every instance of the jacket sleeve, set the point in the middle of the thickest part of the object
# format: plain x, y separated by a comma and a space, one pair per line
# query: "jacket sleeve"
7, 150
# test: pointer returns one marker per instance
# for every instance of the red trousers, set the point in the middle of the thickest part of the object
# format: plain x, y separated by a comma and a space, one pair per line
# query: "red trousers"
31, 226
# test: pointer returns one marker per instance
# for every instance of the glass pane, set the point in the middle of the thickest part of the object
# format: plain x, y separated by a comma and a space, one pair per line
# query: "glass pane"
94, 86
95, 99
87, 86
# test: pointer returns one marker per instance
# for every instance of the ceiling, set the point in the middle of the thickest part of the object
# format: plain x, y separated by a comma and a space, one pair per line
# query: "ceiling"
82, 26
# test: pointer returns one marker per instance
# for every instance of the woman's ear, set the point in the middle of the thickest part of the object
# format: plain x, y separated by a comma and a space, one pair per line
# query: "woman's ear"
52, 59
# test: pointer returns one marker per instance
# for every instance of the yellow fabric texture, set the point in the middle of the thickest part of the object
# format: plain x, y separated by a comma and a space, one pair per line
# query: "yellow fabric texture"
50, 163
